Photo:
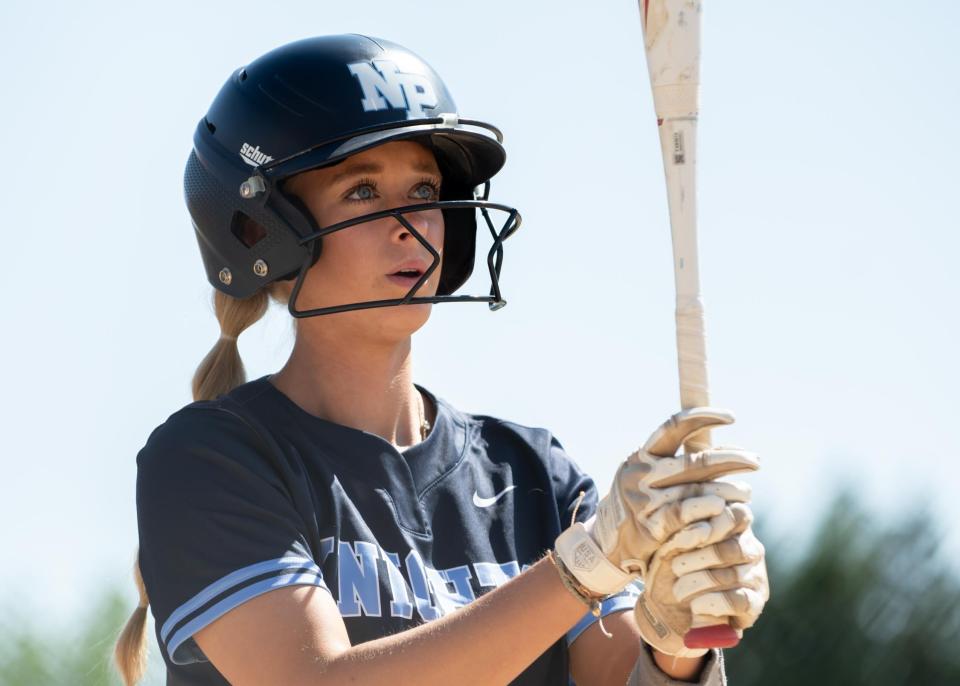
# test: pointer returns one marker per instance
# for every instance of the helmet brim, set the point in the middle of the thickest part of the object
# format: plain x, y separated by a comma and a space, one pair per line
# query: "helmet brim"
466, 158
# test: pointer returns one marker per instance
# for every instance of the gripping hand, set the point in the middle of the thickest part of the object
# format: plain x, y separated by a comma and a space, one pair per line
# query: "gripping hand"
709, 573
654, 495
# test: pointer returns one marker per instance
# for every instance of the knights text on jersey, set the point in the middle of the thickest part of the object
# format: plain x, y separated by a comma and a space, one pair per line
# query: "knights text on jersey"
249, 493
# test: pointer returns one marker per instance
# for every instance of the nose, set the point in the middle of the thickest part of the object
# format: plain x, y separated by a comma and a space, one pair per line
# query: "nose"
428, 223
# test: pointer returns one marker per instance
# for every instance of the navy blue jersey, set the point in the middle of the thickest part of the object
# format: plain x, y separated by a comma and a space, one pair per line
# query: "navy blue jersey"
248, 493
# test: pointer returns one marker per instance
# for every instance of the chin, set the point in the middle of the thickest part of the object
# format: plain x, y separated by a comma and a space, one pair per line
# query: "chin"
404, 320
383, 324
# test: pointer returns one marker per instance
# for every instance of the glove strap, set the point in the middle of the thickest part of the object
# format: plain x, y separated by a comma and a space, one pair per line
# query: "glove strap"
583, 559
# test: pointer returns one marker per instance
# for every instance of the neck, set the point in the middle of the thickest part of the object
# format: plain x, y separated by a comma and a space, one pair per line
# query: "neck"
366, 385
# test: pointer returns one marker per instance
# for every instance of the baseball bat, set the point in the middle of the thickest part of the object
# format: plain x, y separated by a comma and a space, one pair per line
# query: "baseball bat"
671, 32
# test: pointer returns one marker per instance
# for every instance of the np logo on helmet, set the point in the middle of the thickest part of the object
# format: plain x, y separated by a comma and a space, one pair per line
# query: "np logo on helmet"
386, 87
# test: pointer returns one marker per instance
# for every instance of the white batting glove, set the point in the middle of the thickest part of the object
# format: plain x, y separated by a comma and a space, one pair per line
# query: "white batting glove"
654, 495
710, 573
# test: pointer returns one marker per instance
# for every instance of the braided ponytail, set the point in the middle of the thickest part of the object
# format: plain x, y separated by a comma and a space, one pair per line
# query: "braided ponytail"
130, 652
220, 371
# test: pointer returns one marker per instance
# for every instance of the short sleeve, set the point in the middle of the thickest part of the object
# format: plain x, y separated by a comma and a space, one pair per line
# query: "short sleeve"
217, 524
575, 491
569, 483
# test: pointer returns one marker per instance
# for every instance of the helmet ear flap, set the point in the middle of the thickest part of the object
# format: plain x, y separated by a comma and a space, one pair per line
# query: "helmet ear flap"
297, 214
459, 242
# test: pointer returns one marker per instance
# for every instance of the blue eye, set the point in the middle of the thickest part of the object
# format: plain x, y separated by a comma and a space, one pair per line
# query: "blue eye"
427, 190
364, 191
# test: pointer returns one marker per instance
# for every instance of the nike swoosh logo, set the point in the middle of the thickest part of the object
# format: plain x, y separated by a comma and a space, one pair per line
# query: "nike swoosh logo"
487, 502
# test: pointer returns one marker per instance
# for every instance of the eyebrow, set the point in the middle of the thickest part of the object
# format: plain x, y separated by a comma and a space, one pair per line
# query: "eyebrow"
357, 168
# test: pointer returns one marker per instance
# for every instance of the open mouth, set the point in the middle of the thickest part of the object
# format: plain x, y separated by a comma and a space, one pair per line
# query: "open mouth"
409, 273
405, 277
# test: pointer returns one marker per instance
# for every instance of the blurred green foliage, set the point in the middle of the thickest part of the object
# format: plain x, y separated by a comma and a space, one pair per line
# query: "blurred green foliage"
861, 602
30, 656
35, 655
865, 602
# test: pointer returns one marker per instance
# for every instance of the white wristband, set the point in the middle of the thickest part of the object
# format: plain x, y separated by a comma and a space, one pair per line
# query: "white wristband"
583, 557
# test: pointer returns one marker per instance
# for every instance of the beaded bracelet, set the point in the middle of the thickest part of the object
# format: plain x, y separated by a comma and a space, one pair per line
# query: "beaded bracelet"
575, 587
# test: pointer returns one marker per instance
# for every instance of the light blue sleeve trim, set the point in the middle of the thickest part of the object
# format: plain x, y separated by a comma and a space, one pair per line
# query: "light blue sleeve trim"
232, 579
246, 593
288, 563
625, 600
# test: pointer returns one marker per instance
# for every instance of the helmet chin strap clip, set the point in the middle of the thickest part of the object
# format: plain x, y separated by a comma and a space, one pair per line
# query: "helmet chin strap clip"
252, 187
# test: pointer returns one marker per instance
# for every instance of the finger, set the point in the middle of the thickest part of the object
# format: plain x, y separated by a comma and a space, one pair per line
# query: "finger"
763, 590
672, 517
748, 575
737, 550
650, 499
705, 465
743, 603
688, 538
735, 519
673, 433
732, 520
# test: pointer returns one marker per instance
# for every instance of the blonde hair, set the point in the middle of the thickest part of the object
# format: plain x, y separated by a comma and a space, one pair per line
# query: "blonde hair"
220, 371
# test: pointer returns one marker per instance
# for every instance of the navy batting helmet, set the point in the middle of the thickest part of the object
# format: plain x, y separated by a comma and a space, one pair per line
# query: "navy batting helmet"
313, 103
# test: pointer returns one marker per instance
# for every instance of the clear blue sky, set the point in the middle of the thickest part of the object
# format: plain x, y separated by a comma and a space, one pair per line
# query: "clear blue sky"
829, 242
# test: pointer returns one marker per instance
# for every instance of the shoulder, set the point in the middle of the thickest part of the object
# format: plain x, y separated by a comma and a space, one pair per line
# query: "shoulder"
495, 432
234, 411
197, 423
534, 452
490, 427
207, 432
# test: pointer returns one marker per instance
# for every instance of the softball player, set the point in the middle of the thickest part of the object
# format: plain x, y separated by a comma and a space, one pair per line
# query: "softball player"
335, 522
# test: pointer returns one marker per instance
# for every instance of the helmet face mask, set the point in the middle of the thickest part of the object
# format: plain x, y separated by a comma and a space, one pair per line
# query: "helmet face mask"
312, 104
456, 208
